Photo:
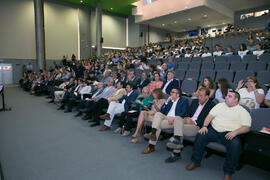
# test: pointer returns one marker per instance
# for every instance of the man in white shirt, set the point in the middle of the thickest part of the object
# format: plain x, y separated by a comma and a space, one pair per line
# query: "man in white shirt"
218, 51
85, 89
259, 50
171, 112
228, 120
206, 52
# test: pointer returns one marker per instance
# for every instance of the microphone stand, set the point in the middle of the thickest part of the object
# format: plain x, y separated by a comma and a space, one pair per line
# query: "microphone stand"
3, 101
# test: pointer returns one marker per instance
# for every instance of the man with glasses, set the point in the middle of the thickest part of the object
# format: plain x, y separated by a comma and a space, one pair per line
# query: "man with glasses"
228, 120
191, 124
172, 111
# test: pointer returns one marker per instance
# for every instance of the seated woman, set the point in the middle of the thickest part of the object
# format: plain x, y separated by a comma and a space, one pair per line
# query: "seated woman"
251, 95
142, 102
223, 88
148, 115
157, 83
243, 50
208, 83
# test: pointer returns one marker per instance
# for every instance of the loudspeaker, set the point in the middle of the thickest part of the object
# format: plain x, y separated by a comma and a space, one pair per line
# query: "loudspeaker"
141, 34
101, 40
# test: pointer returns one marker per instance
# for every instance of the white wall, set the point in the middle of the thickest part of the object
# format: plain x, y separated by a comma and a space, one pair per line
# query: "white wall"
61, 30
17, 31
113, 31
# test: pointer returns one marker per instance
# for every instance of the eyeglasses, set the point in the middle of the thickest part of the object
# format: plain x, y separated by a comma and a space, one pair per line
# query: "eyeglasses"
174, 92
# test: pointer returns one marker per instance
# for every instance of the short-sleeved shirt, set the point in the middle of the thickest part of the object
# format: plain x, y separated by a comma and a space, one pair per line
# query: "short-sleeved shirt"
229, 118
248, 98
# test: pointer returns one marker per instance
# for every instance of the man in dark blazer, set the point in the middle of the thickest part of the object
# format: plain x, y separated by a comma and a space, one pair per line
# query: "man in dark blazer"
172, 111
191, 124
170, 83
143, 81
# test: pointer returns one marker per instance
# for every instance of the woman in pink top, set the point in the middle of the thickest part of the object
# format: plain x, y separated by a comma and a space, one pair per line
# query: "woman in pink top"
87, 65
157, 83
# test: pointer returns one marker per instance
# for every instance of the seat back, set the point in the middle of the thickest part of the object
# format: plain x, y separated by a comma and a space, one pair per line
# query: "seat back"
260, 119
188, 87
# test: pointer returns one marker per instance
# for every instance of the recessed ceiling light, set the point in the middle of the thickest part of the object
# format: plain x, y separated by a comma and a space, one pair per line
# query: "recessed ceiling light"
205, 15
189, 19
208, 25
163, 24
223, 23
175, 21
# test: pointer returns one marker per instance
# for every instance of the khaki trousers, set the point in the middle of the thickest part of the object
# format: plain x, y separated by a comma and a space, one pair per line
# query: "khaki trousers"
160, 121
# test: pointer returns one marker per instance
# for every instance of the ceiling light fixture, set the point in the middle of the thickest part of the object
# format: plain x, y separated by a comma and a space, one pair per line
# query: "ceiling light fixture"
175, 21
111, 8
81, 1
189, 19
163, 24
205, 15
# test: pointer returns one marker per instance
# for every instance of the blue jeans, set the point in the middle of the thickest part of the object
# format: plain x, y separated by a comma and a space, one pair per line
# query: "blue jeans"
233, 148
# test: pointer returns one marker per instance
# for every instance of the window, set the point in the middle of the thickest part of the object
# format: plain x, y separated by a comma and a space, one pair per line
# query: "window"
148, 1
254, 14
261, 13
247, 15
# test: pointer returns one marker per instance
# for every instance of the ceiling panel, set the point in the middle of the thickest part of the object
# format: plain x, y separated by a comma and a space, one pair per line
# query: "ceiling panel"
121, 7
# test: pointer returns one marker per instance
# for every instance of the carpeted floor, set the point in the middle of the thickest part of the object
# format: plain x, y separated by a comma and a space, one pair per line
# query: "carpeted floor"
37, 142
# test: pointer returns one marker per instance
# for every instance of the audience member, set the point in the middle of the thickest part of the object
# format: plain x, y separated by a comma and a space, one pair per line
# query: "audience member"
228, 120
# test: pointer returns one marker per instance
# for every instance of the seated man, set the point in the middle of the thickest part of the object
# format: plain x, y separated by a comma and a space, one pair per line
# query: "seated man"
78, 96
170, 83
102, 103
98, 90
171, 112
228, 120
191, 124
99, 99
118, 106
143, 81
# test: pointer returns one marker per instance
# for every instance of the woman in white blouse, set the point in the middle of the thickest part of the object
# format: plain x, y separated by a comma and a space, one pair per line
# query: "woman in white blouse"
242, 50
223, 88
251, 95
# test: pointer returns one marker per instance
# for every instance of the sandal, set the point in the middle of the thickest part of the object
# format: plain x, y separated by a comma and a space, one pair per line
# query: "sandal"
135, 140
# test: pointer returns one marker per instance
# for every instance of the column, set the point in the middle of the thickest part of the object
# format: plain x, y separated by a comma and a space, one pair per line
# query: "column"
99, 29
40, 34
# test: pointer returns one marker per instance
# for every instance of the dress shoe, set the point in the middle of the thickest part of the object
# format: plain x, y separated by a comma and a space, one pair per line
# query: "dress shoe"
104, 128
148, 150
85, 117
191, 166
61, 107
227, 177
150, 136
67, 111
173, 158
105, 116
174, 144
95, 124
78, 114
92, 120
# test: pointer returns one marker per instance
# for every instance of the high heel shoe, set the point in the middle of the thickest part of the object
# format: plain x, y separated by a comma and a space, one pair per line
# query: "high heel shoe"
135, 140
